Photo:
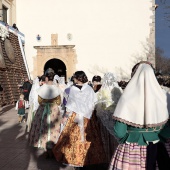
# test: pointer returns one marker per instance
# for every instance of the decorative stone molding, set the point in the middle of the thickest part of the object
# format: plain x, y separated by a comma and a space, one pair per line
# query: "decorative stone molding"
151, 39
65, 53
4, 33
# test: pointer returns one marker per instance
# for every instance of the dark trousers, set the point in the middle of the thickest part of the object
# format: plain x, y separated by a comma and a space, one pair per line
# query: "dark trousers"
26, 96
157, 153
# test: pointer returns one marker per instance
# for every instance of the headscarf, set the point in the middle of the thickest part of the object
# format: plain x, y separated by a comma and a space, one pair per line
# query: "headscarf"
108, 96
109, 80
56, 79
143, 103
110, 91
33, 96
62, 84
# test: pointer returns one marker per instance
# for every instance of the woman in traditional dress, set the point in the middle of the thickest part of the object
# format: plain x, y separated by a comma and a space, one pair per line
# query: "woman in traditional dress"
80, 141
141, 115
33, 101
166, 132
67, 91
45, 127
108, 96
96, 83
43, 80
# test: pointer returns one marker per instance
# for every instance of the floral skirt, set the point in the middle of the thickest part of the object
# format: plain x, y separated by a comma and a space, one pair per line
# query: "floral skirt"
72, 151
129, 157
45, 127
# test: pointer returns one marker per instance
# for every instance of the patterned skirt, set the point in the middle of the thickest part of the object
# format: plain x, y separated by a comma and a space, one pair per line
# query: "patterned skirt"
72, 151
129, 157
45, 127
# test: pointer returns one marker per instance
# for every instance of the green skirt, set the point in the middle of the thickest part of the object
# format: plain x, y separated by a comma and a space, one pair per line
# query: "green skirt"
21, 111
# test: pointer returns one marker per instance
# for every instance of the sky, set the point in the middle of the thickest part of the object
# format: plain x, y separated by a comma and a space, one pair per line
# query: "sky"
162, 25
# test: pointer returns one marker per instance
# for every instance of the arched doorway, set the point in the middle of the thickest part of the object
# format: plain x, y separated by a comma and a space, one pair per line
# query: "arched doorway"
57, 65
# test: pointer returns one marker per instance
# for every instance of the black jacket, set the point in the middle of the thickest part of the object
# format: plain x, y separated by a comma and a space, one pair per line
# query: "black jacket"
1, 89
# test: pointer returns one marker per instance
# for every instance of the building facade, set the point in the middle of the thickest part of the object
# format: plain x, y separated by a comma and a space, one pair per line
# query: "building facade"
111, 37
13, 64
8, 11
61, 58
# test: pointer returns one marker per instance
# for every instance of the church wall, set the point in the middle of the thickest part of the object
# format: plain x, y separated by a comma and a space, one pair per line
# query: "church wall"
111, 35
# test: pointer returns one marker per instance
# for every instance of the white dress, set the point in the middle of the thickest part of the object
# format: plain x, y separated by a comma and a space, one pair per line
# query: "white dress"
33, 101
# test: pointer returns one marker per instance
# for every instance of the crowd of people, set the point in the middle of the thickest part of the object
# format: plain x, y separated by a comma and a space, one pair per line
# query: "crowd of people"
124, 125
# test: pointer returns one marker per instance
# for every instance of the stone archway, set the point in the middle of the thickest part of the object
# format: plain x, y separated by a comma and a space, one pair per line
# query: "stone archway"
58, 66
61, 58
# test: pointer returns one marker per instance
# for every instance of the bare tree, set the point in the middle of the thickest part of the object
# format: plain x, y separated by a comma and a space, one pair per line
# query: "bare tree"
162, 62
97, 70
147, 54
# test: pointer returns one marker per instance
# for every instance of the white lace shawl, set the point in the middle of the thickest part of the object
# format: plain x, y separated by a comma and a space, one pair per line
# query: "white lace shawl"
108, 96
81, 101
48, 91
33, 96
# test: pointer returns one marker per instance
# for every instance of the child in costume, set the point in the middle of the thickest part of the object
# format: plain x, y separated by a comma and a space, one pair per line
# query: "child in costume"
21, 106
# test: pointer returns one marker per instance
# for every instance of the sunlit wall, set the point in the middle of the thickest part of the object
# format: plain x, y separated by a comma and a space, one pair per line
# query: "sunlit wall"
108, 34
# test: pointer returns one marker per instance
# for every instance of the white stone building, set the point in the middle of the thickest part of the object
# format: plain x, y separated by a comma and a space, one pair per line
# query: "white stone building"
109, 35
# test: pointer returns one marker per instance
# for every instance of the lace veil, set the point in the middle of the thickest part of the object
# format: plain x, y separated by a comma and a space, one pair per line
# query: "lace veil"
108, 97
33, 96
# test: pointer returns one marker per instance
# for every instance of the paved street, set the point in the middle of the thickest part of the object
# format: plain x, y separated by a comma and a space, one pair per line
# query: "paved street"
15, 154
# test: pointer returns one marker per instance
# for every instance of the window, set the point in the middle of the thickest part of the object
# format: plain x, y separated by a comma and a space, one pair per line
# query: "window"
4, 13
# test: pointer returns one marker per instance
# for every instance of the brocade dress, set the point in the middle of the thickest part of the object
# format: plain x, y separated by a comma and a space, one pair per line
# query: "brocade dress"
70, 148
45, 126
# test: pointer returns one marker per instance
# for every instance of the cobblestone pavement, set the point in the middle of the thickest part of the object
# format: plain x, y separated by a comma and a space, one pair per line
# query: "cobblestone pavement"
15, 154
